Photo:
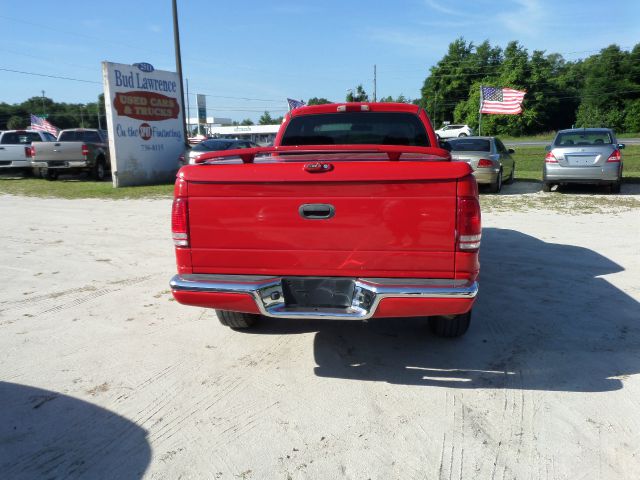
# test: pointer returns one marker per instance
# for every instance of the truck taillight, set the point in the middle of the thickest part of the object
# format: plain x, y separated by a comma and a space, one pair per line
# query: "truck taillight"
180, 222
550, 158
469, 224
484, 163
614, 157
28, 152
85, 150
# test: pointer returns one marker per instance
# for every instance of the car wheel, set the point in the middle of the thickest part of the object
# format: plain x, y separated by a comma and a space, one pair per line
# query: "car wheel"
99, 171
462, 135
615, 187
450, 326
496, 186
546, 186
512, 177
49, 174
236, 319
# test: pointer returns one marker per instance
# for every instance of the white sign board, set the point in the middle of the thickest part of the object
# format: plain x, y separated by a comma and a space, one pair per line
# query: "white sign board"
144, 121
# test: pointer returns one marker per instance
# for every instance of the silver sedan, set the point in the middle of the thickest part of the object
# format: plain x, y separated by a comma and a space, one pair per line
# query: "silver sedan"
490, 160
583, 155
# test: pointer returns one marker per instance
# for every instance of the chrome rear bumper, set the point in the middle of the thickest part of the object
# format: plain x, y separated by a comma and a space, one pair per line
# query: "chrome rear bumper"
368, 292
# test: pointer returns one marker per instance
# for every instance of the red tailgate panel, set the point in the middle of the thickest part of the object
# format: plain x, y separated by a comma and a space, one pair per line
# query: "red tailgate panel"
385, 229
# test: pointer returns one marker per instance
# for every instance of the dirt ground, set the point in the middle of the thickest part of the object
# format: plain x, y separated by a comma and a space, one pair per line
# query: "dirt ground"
104, 376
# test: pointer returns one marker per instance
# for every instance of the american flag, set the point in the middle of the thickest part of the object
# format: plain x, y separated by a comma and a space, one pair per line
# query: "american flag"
39, 123
506, 101
293, 104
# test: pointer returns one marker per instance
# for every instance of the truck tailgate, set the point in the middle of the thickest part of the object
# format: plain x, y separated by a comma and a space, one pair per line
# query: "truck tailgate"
388, 219
52, 151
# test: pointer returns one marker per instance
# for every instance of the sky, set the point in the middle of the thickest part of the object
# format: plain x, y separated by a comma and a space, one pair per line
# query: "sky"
249, 56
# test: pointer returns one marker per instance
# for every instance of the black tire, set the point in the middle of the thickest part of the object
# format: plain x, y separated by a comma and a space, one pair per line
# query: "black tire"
462, 135
615, 187
450, 326
99, 171
512, 177
497, 185
49, 174
236, 319
546, 186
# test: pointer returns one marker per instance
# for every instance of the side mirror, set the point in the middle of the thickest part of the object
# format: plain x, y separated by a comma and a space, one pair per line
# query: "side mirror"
547, 148
621, 146
511, 150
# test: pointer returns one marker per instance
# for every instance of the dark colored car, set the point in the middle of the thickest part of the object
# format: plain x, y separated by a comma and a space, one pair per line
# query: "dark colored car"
213, 145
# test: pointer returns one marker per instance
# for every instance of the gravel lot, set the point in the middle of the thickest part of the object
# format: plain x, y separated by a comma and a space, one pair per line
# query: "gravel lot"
104, 376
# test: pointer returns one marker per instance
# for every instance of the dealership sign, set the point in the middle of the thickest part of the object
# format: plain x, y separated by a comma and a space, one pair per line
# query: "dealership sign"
144, 123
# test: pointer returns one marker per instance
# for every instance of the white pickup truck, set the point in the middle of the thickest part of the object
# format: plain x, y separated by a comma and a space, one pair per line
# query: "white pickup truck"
15, 148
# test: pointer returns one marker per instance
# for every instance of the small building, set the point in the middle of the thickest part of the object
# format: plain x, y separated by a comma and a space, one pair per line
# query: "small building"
260, 134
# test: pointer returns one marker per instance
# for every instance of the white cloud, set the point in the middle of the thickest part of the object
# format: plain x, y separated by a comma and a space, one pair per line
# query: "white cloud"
442, 9
527, 18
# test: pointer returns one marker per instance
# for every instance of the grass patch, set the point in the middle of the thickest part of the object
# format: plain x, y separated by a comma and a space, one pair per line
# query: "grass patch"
37, 187
530, 159
549, 136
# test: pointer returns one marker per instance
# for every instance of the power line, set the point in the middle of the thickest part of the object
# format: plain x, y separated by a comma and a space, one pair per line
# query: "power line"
49, 76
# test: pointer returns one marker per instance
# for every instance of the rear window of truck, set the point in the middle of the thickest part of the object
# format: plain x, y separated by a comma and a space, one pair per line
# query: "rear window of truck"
80, 136
19, 138
356, 128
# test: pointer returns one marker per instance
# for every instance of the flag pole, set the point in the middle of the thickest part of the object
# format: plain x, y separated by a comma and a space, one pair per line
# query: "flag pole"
480, 114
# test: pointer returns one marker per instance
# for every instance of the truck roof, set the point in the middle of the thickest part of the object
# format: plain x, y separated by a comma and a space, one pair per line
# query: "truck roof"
356, 106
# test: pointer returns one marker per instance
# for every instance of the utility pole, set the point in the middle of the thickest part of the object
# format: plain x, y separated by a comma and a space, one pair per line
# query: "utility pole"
43, 110
375, 83
81, 117
176, 42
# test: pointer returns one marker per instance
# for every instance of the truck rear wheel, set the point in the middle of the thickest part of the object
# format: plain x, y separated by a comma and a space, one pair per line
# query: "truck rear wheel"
450, 326
236, 319
99, 170
49, 174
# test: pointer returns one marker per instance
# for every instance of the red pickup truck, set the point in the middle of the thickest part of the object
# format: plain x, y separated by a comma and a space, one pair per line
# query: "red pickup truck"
354, 213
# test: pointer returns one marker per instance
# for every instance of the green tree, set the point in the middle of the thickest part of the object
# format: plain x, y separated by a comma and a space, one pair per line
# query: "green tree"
17, 122
358, 96
318, 101
246, 121
265, 119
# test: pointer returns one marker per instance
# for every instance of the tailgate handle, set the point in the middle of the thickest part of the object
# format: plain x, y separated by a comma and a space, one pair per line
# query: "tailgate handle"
316, 211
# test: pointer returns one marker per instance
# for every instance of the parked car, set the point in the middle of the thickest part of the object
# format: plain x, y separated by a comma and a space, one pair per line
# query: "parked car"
453, 131
15, 148
490, 160
355, 213
75, 150
213, 145
584, 155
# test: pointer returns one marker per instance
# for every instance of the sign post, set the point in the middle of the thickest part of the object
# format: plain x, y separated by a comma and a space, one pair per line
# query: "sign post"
144, 122
202, 112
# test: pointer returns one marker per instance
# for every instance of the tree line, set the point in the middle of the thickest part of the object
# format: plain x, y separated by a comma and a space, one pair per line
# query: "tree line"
62, 115
602, 90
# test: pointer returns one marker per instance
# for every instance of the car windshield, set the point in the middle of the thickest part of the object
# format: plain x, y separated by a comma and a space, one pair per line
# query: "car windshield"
470, 145
583, 137
356, 128
212, 145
